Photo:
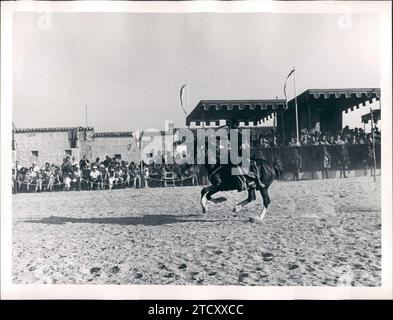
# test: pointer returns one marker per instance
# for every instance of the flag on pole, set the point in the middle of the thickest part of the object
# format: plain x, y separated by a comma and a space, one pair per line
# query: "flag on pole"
285, 87
73, 137
13, 137
137, 136
181, 98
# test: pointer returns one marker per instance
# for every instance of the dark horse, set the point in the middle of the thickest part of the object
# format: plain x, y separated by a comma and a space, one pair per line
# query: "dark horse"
222, 179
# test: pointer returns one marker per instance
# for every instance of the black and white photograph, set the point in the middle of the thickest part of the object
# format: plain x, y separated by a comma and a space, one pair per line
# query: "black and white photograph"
217, 147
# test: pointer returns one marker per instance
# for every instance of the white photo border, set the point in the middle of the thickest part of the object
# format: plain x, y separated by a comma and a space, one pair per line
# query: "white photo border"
10, 290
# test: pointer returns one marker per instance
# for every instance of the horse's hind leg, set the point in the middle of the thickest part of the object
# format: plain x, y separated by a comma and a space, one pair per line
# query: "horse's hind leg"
266, 202
251, 197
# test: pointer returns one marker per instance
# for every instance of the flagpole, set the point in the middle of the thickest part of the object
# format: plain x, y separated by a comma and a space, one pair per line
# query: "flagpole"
373, 145
297, 120
188, 102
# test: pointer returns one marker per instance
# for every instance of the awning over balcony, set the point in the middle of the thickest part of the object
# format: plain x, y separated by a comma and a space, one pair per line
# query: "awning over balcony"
241, 110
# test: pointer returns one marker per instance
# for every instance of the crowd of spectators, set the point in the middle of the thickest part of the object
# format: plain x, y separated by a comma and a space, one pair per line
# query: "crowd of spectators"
111, 173
114, 173
314, 137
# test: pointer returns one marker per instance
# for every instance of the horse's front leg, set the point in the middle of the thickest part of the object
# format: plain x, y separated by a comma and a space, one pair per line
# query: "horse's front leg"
205, 193
251, 197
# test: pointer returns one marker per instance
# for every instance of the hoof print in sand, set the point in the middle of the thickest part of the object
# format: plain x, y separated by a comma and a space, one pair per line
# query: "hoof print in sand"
293, 266
96, 271
115, 269
162, 266
267, 256
242, 275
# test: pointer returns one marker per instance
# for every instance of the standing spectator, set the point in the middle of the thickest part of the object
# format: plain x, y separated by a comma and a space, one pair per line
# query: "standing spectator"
343, 161
369, 160
194, 171
314, 141
107, 161
17, 169
73, 161
324, 141
293, 143
49, 174
77, 176
146, 176
66, 167
338, 140
326, 163
297, 163
96, 163
84, 163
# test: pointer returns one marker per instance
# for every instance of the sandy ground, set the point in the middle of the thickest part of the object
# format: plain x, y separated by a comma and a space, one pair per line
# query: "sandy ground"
325, 233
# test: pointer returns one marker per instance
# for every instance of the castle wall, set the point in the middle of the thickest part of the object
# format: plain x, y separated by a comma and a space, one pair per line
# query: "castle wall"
53, 145
123, 146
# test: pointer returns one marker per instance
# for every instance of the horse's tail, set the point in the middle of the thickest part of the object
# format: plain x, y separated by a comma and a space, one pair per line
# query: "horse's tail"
278, 170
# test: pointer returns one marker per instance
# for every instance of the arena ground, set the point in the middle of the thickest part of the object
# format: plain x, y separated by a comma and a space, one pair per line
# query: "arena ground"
320, 232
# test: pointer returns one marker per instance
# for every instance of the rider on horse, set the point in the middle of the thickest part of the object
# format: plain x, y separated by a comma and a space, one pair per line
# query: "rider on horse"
252, 176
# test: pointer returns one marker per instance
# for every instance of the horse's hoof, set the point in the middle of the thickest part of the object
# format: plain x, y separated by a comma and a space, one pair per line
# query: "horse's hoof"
237, 209
204, 210
255, 220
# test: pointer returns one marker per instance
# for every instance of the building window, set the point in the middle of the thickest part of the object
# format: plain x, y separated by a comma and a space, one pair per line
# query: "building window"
247, 106
269, 106
118, 156
236, 106
264, 107
213, 106
225, 106
34, 153
68, 152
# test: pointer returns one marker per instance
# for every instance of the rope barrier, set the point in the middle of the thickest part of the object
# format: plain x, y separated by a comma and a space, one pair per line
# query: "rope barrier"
103, 183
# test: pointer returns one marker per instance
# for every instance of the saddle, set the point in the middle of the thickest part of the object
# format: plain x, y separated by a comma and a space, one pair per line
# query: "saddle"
241, 181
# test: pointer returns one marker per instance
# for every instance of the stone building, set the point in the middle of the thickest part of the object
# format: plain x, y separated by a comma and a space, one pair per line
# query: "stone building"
54, 144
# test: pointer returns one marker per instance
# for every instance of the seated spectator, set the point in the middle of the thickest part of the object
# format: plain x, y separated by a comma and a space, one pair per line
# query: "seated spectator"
95, 177
67, 180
